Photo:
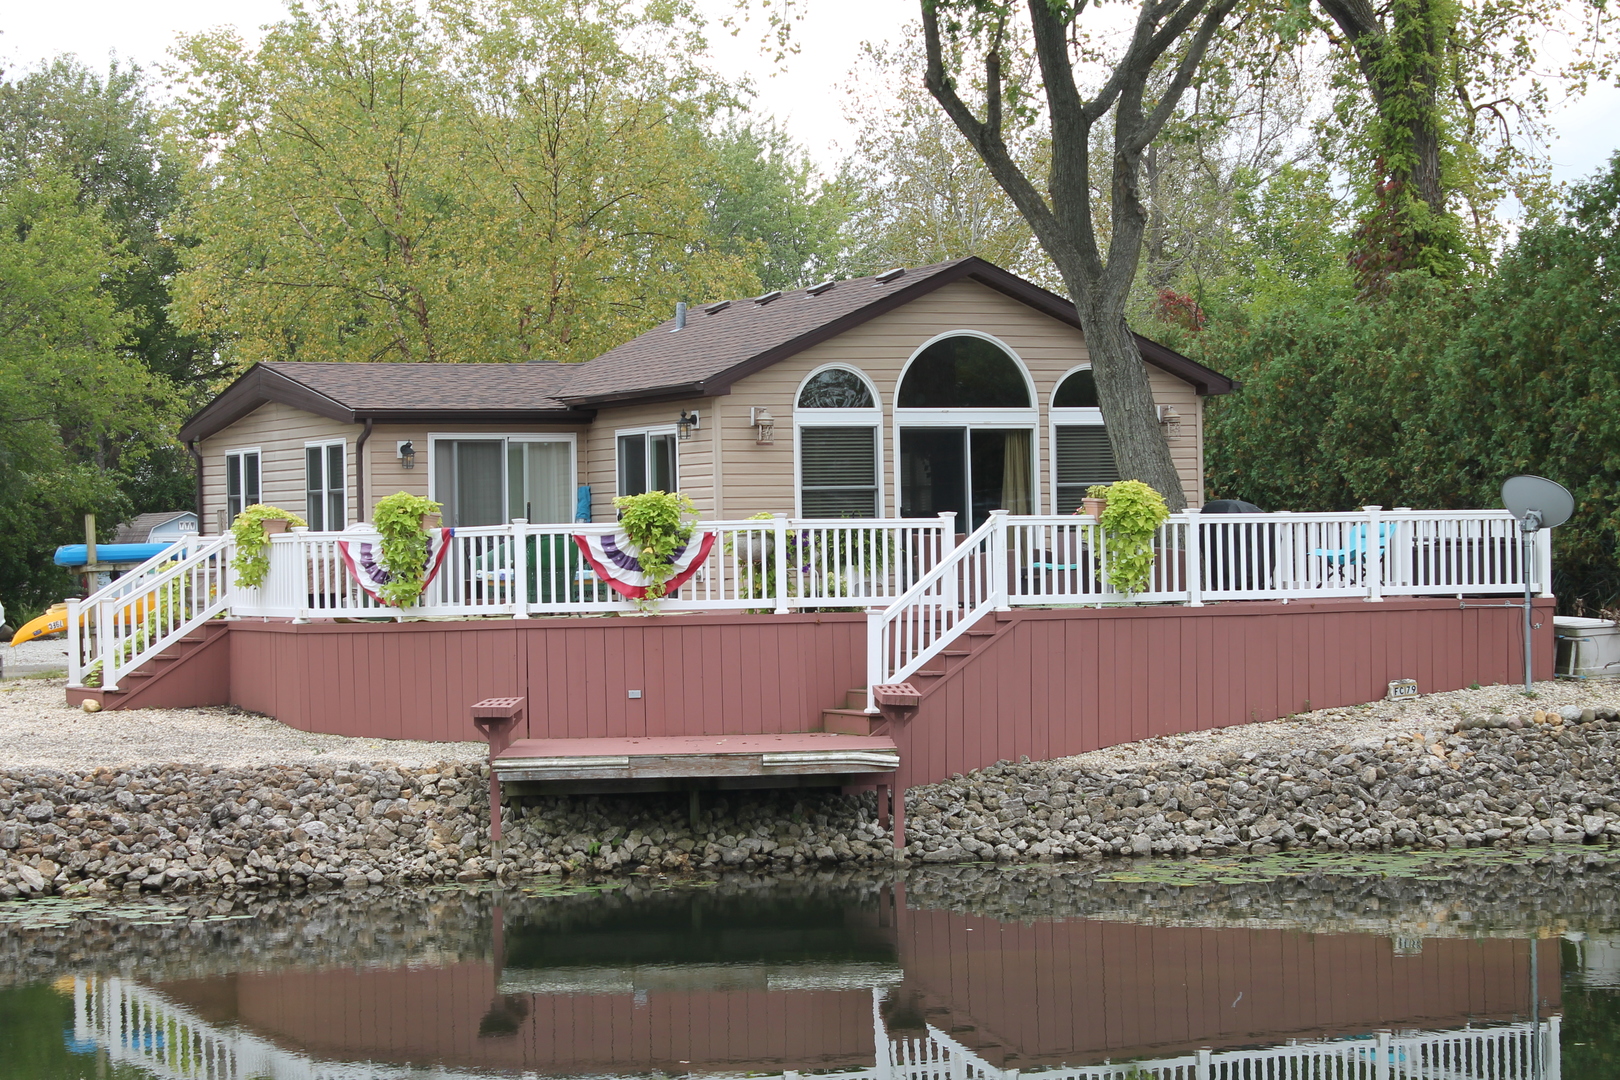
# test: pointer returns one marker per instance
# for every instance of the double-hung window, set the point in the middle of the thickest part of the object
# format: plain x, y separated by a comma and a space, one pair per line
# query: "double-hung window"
241, 481
326, 502
1081, 453
836, 424
647, 461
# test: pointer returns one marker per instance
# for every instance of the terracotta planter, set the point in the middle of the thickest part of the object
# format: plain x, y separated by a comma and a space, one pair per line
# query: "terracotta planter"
275, 525
432, 521
1093, 507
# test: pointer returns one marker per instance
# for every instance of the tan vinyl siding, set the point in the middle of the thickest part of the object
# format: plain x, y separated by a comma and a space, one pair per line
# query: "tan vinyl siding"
694, 458
385, 475
761, 478
279, 432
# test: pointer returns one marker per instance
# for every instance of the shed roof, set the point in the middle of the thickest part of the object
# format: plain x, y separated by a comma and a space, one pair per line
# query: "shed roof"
720, 344
139, 527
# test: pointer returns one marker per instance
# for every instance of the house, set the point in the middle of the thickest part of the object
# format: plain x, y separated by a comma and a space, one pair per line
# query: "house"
157, 528
956, 387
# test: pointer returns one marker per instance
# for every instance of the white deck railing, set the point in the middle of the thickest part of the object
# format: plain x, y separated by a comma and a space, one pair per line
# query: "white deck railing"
921, 586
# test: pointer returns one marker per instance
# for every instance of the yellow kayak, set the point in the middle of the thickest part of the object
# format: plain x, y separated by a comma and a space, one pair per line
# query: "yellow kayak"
50, 624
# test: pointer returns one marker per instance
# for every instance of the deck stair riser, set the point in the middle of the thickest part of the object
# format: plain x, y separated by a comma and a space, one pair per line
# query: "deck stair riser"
193, 667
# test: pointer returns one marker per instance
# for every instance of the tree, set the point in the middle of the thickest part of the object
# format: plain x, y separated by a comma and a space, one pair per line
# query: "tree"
77, 412
1142, 87
767, 205
485, 181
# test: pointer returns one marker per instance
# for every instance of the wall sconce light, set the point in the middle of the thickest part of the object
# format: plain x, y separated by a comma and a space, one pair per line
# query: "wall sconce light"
764, 425
407, 454
687, 424
1170, 420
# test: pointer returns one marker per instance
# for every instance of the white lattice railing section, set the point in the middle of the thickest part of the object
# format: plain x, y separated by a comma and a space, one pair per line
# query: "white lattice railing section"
116, 629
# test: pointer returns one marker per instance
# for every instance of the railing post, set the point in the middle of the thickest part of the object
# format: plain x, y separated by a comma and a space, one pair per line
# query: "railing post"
1551, 1052
779, 525
876, 672
78, 635
107, 645
998, 561
1544, 546
520, 568
1201, 1070
1195, 562
1381, 1066
301, 560
1372, 559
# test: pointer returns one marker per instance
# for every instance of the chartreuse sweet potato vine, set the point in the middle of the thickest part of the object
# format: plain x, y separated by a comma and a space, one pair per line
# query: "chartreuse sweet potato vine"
398, 519
1129, 521
656, 524
252, 559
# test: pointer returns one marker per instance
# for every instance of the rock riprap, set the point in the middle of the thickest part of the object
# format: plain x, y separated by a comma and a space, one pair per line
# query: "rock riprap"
1486, 779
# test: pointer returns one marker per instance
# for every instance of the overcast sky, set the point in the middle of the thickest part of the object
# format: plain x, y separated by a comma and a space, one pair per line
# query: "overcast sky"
805, 97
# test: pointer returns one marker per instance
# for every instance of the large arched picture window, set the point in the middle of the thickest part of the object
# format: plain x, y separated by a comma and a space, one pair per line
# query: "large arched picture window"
966, 418
836, 423
963, 372
1081, 453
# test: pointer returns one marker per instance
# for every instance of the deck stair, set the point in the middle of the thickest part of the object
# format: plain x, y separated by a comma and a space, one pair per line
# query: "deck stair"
145, 686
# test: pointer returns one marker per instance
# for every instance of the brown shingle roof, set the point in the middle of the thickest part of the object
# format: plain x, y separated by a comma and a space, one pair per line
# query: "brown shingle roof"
368, 388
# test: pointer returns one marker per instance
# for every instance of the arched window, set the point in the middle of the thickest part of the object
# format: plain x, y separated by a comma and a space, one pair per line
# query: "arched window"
1078, 391
836, 388
963, 372
1081, 453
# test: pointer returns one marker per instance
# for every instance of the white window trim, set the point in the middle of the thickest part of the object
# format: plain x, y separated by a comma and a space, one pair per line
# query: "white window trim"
871, 388
225, 490
872, 418
1066, 417
323, 444
1023, 368
569, 437
655, 429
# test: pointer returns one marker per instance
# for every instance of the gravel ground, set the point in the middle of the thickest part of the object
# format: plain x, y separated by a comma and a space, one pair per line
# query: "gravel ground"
38, 728
1356, 726
33, 657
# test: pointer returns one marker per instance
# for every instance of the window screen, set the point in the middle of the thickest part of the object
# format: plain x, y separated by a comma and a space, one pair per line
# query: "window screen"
838, 472
241, 482
1084, 457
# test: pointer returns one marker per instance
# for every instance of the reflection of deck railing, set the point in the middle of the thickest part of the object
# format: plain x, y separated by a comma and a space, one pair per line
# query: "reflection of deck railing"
140, 1026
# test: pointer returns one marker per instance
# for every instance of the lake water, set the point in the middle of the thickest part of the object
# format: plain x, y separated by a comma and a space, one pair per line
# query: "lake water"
1273, 969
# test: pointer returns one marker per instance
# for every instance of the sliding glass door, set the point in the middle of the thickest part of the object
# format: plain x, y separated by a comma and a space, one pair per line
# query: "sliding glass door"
490, 481
969, 471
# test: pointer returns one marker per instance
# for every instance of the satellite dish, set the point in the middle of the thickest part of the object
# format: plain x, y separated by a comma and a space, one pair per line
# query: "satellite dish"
1538, 502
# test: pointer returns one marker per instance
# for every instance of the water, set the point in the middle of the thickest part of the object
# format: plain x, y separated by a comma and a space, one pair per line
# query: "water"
1303, 969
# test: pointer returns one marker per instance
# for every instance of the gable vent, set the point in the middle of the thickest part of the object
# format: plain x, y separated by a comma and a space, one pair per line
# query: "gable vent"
817, 290
889, 275
715, 309
768, 297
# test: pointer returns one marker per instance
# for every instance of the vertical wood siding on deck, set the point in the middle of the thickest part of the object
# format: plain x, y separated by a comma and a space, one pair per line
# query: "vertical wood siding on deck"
1053, 683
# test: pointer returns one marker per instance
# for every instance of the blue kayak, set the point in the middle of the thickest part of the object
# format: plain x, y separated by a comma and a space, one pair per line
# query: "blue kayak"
74, 554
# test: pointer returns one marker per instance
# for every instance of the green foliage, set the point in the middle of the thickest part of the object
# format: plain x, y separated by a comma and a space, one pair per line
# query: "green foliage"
1130, 521
656, 524
398, 517
478, 180
1097, 491
252, 559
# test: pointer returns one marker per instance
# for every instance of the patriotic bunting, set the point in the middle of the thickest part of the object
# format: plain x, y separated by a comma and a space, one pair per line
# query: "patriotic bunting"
622, 571
364, 560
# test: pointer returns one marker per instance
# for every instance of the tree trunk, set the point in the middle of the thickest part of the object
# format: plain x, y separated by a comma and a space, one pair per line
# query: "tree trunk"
1134, 432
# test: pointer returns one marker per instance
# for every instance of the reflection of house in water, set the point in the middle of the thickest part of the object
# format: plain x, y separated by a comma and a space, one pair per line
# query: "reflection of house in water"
1597, 960
692, 983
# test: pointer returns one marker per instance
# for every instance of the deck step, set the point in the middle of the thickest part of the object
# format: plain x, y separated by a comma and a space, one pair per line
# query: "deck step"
855, 698
848, 721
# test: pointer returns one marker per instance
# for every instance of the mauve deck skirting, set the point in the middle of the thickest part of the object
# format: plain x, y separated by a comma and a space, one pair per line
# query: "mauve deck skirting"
1051, 683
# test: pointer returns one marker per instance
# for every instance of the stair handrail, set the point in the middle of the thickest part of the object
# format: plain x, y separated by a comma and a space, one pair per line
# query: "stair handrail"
121, 630
880, 623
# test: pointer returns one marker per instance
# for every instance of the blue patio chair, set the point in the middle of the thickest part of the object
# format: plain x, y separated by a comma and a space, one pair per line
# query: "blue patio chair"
1354, 550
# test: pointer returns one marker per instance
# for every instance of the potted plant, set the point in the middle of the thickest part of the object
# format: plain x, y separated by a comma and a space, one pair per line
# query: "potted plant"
1096, 498
656, 523
1130, 520
401, 520
252, 529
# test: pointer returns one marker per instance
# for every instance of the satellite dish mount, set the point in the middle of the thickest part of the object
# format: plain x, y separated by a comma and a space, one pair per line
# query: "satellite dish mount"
1539, 504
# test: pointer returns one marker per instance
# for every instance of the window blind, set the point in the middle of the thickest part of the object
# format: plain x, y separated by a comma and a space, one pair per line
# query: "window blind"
838, 471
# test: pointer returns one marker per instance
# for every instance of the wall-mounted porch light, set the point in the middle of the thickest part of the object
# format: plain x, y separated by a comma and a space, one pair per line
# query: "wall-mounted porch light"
1170, 420
764, 425
687, 424
406, 451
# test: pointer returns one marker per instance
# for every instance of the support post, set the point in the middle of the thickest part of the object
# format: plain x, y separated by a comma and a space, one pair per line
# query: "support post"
520, 568
1372, 560
899, 790
780, 532
882, 805
1528, 539
998, 561
1195, 562
495, 719
876, 652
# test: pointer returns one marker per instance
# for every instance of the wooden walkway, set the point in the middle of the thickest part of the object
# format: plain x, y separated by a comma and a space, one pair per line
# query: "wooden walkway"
769, 760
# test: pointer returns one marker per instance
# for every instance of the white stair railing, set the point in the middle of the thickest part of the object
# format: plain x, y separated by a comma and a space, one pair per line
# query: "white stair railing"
117, 629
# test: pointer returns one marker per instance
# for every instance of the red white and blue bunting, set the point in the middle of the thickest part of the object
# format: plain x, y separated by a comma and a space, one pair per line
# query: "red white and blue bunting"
364, 560
622, 570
